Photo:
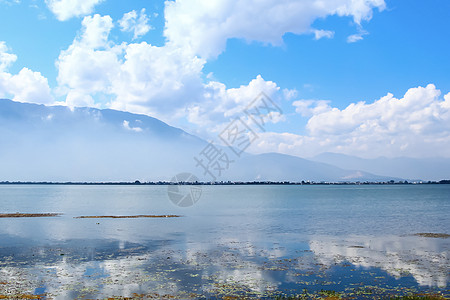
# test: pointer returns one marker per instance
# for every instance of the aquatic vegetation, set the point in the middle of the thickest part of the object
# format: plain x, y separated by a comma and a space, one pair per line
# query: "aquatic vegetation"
227, 253
22, 296
420, 297
433, 235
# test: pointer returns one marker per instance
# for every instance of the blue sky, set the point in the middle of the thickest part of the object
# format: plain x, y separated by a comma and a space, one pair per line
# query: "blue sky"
196, 64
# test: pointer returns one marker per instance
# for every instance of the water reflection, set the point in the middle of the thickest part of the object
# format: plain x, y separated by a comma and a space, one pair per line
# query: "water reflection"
238, 241
222, 267
427, 259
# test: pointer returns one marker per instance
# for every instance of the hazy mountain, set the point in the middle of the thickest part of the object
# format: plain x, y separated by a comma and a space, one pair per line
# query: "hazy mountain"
86, 144
56, 143
403, 167
275, 166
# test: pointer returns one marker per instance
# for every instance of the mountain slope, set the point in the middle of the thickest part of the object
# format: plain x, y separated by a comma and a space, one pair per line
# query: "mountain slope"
55, 143
86, 144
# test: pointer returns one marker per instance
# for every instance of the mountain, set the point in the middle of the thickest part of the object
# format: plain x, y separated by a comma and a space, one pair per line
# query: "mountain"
57, 143
402, 167
275, 166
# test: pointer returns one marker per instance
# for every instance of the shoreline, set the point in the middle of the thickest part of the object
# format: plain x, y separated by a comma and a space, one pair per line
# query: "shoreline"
405, 182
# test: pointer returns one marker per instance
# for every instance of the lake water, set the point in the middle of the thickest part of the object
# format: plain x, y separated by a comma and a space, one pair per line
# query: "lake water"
253, 241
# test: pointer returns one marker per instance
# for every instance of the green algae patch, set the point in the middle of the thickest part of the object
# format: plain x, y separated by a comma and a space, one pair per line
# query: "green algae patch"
22, 296
433, 235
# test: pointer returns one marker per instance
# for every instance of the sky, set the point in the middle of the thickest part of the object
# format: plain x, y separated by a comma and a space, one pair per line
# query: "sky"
361, 77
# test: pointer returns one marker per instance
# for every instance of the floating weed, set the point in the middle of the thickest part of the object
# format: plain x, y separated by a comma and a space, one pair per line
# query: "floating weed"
22, 296
433, 235
328, 294
420, 297
206, 275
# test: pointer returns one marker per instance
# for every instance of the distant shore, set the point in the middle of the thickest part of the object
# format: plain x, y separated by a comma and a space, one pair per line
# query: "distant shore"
227, 183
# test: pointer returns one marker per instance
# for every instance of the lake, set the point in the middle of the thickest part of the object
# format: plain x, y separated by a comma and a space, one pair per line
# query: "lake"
255, 241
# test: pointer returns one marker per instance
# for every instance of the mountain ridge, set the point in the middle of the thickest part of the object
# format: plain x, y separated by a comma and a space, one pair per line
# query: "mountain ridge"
431, 168
57, 143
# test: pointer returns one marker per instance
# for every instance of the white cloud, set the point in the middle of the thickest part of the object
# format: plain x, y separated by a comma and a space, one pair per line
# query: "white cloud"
126, 125
67, 9
131, 22
205, 26
357, 36
29, 86
165, 82
26, 86
319, 34
290, 94
6, 59
157, 80
308, 108
420, 111
76, 98
86, 67
141, 77
96, 30
360, 10
220, 105
416, 125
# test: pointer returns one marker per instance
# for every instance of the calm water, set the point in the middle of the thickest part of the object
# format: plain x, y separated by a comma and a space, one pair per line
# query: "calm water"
255, 241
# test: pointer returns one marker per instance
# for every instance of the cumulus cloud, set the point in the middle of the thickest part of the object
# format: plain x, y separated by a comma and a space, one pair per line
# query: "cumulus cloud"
416, 125
96, 30
76, 98
220, 104
157, 80
165, 82
168, 81
141, 77
29, 86
86, 66
204, 26
67, 9
26, 86
131, 22
418, 112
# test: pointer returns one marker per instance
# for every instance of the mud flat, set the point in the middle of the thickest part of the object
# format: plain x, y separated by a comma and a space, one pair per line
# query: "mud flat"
29, 215
127, 217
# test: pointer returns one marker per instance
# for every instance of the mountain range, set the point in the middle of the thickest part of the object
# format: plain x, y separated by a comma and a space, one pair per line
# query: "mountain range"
58, 143
413, 169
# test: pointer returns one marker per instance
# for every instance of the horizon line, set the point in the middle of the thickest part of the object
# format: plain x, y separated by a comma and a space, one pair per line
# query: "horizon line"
266, 182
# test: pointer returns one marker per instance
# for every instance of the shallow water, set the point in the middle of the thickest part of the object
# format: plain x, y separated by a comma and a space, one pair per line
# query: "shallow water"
255, 241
